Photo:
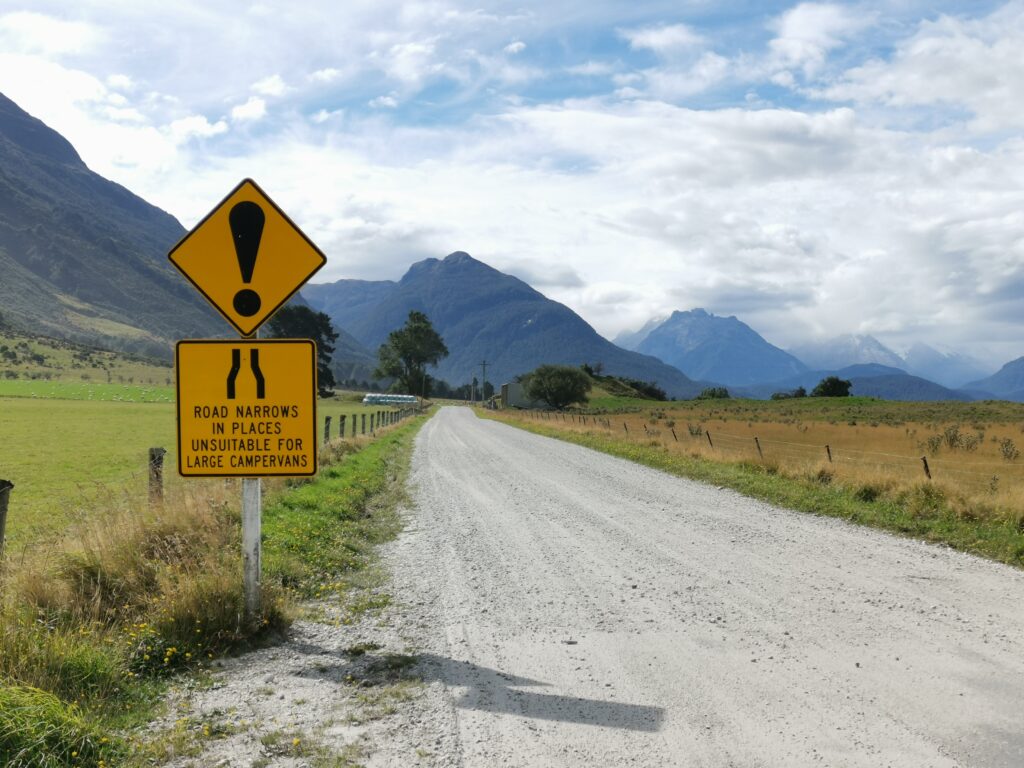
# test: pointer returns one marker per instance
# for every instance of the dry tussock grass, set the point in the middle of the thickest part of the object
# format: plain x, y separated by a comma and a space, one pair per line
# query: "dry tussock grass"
970, 470
129, 587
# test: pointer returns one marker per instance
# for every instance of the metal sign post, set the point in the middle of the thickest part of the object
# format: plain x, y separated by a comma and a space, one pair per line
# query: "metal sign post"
247, 408
252, 551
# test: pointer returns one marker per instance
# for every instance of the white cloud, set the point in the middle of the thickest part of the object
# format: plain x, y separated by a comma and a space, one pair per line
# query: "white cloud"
270, 86
35, 33
383, 102
195, 126
973, 65
323, 115
806, 34
663, 39
410, 63
591, 69
327, 75
516, 47
120, 82
675, 83
254, 109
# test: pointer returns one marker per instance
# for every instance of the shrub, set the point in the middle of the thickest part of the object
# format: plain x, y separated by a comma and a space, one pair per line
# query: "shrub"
832, 386
869, 491
823, 476
925, 499
1008, 450
558, 385
713, 393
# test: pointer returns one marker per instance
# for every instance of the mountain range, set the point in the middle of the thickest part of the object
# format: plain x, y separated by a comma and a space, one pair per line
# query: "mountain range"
1007, 383
721, 349
82, 257
725, 349
483, 314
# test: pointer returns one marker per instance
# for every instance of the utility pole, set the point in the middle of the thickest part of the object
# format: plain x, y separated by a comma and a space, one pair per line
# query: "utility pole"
483, 382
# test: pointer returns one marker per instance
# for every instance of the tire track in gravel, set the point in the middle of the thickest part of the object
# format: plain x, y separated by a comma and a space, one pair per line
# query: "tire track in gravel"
575, 609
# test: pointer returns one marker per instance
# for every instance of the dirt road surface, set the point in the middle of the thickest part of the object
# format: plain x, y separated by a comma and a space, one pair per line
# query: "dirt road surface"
573, 609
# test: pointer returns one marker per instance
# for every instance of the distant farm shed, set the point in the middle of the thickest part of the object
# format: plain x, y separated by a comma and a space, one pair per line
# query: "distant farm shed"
513, 395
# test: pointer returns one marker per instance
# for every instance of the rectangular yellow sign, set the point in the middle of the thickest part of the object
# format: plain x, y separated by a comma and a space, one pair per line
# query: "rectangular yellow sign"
246, 408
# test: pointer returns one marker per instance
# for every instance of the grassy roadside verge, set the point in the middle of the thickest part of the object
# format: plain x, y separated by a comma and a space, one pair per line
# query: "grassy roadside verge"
92, 629
925, 510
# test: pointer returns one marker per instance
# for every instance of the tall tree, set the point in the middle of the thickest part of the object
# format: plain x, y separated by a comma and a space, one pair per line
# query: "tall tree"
832, 386
407, 353
557, 385
297, 322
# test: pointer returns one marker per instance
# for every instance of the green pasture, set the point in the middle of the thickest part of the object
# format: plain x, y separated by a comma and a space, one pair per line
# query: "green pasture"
63, 455
65, 452
53, 389
837, 409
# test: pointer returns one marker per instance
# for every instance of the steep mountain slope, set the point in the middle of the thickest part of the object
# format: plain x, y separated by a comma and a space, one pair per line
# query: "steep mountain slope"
1007, 383
631, 339
483, 314
82, 257
950, 369
349, 302
845, 350
704, 346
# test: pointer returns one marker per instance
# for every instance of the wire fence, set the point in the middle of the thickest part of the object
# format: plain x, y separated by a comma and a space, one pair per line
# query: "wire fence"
981, 474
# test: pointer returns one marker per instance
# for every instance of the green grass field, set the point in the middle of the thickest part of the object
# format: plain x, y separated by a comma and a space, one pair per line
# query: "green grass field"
64, 455
41, 389
65, 450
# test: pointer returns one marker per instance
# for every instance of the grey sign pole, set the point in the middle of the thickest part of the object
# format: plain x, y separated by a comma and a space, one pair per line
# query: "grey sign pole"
252, 546
252, 503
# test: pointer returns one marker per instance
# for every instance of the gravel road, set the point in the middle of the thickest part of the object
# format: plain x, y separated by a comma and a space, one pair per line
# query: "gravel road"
574, 609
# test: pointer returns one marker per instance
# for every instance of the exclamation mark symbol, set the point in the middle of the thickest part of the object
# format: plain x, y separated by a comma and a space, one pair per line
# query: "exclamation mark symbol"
246, 220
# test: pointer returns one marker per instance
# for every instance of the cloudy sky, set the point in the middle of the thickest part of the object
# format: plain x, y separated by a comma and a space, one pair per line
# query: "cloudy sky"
812, 168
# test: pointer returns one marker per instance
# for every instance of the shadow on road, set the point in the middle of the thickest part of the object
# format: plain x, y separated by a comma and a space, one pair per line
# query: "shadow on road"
483, 689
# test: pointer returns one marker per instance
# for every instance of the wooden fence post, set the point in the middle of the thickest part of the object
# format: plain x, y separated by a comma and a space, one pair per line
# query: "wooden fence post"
363, 422
758, 444
6, 486
625, 427
674, 434
709, 439
927, 472
327, 429
341, 426
156, 476
828, 452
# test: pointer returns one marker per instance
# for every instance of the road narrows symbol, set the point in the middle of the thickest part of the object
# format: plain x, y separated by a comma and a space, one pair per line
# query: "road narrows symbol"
236, 366
246, 220
257, 374
261, 384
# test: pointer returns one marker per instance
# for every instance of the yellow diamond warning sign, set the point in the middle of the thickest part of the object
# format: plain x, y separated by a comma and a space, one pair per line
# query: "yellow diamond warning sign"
246, 408
247, 257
